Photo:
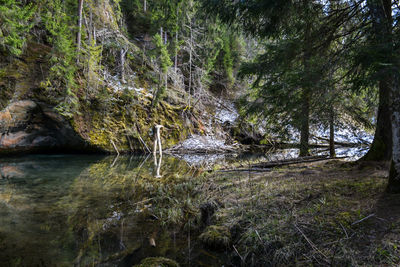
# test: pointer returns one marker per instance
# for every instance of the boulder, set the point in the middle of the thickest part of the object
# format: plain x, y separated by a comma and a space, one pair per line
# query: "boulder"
27, 126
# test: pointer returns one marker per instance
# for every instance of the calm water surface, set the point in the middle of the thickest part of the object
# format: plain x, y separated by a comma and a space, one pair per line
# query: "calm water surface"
66, 210
61, 210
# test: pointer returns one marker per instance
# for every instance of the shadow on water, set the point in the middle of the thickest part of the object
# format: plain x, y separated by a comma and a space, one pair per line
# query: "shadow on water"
65, 210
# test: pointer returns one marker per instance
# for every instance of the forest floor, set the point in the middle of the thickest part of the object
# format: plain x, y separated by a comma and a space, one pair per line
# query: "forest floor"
329, 213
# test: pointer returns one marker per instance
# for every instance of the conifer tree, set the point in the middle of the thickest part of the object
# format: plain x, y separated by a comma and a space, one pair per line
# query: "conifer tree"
15, 23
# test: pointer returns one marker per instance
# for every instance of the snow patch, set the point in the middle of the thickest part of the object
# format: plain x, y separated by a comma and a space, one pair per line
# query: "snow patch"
227, 113
345, 134
202, 144
114, 83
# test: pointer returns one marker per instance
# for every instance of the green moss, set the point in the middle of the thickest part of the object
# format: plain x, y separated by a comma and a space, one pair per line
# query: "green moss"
131, 120
215, 236
157, 262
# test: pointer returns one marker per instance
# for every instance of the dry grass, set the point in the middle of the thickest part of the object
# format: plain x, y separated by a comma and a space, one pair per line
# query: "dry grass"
328, 213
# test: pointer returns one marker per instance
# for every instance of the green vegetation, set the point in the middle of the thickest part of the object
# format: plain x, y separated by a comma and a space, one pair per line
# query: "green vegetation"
156, 262
293, 70
16, 22
101, 69
307, 214
216, 237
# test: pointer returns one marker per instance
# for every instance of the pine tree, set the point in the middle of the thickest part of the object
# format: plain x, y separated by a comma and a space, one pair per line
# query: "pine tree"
15, 23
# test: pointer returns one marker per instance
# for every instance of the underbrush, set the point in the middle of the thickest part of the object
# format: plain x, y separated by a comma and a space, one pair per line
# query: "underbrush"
321, 214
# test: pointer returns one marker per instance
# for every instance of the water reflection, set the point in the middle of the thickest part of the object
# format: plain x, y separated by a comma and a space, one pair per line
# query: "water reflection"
157, 164
67, 210
64, 210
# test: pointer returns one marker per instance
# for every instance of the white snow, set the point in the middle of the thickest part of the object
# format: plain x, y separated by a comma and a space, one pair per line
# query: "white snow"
114, 82
345, 134
198, 142
227, 113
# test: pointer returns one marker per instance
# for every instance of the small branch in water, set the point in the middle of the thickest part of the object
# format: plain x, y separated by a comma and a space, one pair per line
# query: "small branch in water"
115, 147
157, 140
115, 160
141, 140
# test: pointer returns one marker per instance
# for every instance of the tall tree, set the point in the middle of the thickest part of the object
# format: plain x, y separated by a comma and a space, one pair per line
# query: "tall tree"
285, 70
380, 49
79, 34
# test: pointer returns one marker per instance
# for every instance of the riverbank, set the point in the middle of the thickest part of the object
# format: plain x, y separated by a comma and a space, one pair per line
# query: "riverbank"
79, 209
329, 213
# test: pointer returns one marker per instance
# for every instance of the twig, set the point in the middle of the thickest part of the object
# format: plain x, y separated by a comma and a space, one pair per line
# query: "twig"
115, 160
238, 253
246, 170
313, 246
115, 147
259, 236
344, 229
141, 140
143, 201
363, 219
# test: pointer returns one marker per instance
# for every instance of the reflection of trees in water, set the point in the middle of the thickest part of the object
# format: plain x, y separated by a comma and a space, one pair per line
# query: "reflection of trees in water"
31, 222
60, 211
127, 204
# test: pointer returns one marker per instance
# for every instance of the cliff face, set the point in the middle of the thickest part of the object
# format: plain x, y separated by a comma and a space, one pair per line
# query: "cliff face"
27, 126
30, 121
102, 95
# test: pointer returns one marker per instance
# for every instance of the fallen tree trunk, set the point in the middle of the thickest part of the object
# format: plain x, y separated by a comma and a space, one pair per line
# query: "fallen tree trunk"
362, 142
268, 165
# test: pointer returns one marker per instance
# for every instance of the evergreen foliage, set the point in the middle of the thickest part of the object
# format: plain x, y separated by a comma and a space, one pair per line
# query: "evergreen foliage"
61, 80
16, 20
165, 62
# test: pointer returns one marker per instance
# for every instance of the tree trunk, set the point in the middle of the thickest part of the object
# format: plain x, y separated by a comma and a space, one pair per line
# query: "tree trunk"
122, 61
304, 130
305, 97
79, 34
381, 147
176, 52
394, 174
190, 61
381, 16
332, 152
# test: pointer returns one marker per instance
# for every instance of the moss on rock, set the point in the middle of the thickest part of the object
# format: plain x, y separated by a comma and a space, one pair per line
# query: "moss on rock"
157, 262
217, 237
128, 123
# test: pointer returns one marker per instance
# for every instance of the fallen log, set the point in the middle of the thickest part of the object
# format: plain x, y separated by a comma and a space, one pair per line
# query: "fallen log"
246, 170
268, 165
344, 144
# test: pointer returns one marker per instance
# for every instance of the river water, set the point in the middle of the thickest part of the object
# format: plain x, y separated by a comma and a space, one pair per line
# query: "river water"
66, 210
